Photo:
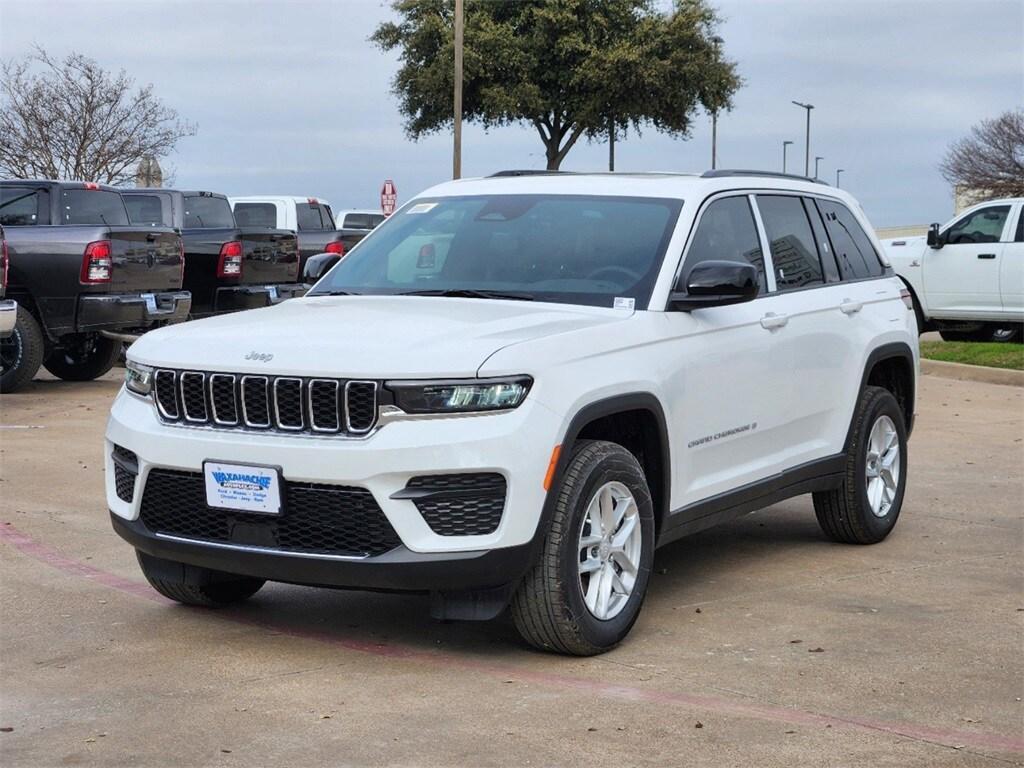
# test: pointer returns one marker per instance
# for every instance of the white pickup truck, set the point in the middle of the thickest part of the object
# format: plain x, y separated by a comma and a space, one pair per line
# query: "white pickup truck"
967, 276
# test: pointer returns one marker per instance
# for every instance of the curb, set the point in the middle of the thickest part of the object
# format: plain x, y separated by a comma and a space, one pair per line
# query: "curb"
980, 373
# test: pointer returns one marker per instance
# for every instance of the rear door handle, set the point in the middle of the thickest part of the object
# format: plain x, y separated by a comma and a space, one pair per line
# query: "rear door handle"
986, 255
771, 321
850, 307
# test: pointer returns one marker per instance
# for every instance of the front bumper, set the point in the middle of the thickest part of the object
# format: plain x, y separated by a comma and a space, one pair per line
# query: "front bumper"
515, 444
237, 298
130, 311
8, 317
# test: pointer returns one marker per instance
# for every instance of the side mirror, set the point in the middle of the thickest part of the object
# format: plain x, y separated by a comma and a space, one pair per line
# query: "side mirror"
934, 238
317, 266
715, 284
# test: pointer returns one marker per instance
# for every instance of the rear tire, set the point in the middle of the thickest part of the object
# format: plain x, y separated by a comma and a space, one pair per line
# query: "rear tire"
864, 509
85, 359
200, 587
21, 353
591, 541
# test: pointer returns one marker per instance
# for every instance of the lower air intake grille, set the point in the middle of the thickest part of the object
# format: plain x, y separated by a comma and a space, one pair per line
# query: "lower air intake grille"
125, 462
316, 519
461, 505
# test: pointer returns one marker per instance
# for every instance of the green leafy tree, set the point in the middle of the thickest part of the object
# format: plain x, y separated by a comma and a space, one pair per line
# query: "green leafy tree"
570, 68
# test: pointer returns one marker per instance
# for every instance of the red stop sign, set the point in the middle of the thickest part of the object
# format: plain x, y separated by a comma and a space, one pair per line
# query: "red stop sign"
388, 197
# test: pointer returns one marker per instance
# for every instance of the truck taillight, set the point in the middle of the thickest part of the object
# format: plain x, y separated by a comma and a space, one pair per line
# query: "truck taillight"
97, 264
181, 253
5, 263
230, 262
337, 247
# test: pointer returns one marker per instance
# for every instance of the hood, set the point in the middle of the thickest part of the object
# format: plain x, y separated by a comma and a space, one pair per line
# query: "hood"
363, 336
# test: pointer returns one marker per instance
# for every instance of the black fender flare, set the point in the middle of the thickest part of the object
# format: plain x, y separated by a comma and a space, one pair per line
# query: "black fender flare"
899, 350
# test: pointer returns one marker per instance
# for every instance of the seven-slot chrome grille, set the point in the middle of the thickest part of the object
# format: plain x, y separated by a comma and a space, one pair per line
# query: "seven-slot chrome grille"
276, 403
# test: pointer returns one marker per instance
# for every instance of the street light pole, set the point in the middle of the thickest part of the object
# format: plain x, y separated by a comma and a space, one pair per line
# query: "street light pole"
785, 145
816, 161
717, 41
807, 146
838, 171
457, 117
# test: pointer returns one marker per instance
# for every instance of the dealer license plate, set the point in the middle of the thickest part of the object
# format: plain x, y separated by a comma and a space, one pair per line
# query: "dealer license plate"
243, 487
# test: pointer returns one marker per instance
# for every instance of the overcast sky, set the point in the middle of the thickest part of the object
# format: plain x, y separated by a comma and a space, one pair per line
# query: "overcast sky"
291, 98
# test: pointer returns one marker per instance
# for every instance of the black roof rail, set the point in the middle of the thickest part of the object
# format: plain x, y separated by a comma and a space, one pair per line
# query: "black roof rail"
729, 173
528, 172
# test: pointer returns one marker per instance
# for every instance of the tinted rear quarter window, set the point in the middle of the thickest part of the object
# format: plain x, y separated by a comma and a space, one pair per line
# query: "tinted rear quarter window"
794, 252
206, 212
145, 209
23, 206
852, 247
92, 206
726, 231
256, 215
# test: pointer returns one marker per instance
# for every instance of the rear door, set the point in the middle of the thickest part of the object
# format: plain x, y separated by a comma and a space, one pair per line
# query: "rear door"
1011, 270
961, 279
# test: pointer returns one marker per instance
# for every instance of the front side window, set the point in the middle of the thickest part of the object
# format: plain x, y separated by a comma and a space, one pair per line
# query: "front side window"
851, 246
256, 215
145, 209
984, 225
794, 252
206, 212
19, 206
570, 249
313, 216
92, 206
727, 232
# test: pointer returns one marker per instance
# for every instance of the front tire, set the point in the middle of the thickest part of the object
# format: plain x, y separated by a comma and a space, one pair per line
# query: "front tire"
192, 585
85, 359
21, 353
864, 509
585, 591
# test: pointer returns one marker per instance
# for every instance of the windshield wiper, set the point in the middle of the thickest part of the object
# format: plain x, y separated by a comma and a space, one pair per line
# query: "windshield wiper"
469, 293
335, 293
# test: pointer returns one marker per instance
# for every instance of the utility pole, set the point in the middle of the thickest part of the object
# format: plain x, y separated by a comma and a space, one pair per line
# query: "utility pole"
714, 115
457, 149
807, 147
838, 171
785, 145
816, 161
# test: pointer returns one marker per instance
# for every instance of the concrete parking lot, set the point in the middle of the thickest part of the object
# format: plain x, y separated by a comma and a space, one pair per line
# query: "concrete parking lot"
760, 644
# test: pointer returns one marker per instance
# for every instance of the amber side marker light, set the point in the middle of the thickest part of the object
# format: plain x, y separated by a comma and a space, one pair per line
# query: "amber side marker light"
552, 466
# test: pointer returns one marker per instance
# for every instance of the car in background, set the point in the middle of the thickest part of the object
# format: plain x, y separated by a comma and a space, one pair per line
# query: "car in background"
309, 217
227, 267
84, 278
967, 276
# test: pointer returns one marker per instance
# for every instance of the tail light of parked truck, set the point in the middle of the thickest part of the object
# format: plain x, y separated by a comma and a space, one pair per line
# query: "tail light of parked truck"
229, 264
337, 247
97, 263
5, 263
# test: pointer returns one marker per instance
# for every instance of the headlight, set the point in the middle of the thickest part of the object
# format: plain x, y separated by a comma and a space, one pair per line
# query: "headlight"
460, 396
138, 378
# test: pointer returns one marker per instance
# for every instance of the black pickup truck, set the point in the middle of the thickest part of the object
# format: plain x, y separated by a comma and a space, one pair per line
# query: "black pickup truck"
85, 279
227, 267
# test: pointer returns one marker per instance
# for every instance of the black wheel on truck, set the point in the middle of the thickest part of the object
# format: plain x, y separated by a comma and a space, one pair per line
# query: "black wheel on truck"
585, 591
21, 353
84, 359
192, 585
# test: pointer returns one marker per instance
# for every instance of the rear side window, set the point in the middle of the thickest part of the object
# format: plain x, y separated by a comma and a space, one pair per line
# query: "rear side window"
92, 206
206, 212
727, 232
984, 225
313, 216
145, 209
256, 215
1020, 227
852, 247
362, 220
23, 206
794, 253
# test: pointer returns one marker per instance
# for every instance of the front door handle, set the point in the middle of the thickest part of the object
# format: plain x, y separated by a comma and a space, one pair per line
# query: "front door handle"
771, 321
986, 255
850, 307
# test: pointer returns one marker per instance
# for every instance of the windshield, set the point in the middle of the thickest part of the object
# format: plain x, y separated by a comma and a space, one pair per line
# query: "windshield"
205, 212
92, 206
570, 249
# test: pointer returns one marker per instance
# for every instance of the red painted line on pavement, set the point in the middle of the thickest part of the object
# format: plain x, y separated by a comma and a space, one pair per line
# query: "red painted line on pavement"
940, 736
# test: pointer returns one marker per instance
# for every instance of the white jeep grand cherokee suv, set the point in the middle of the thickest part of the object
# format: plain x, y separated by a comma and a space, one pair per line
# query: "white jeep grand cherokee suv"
515, 389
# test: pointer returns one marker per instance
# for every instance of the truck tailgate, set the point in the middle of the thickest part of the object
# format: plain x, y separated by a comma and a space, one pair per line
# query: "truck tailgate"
270, 256
145, 259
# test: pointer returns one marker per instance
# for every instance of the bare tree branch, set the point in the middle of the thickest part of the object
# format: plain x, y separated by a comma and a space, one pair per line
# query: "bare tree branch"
990, 162
70, 119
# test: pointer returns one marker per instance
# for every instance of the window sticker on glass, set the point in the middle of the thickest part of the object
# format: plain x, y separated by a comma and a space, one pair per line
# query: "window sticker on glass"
624, 302
422, 208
